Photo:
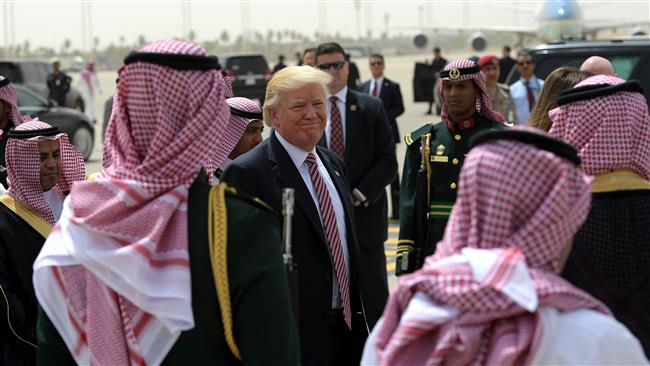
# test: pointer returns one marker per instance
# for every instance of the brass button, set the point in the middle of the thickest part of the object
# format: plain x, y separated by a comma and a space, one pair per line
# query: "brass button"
454, 161
452, 186
457, 137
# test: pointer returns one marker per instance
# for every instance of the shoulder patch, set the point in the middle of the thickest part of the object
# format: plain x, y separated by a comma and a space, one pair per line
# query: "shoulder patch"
410, 138
255, 201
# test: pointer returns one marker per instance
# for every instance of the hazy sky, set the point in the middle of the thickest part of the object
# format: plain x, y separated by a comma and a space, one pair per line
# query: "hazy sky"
49, 22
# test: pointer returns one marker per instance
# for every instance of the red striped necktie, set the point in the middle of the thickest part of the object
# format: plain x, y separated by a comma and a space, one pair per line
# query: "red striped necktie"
336, 129
332, 234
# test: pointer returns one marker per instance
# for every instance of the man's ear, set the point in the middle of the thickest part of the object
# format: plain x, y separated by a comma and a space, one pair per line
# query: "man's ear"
274, 118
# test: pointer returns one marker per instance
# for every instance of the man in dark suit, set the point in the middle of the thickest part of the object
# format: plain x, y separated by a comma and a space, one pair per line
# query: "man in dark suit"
437, 64
358, 131
389, 92
331, 321
506, 63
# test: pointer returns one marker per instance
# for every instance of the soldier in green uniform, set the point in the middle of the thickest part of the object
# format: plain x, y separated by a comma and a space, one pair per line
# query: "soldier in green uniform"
434, 156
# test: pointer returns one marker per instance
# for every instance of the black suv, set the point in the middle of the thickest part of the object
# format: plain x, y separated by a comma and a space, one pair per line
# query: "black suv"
33, 74
630, 58
249, 74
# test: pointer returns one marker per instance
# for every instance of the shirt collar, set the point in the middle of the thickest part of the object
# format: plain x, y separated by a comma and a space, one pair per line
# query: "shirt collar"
380, 80
296, 154
532, 80
342, 94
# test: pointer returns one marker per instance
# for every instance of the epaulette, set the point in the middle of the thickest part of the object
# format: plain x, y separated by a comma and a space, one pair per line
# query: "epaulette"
503, 87
255, 201
410, 138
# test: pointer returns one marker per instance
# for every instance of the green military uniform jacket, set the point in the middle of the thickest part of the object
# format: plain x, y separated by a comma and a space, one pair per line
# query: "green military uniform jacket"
446, 156
263, 324
502, 103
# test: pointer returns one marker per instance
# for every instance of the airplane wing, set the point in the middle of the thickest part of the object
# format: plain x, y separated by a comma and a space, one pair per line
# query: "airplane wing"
525, 31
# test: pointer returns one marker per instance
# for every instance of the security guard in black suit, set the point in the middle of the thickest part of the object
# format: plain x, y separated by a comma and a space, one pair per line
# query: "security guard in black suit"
434, 156
389, 92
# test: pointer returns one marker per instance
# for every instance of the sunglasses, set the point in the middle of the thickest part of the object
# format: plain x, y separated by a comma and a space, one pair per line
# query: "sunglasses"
524, 63
338, 65
378, 63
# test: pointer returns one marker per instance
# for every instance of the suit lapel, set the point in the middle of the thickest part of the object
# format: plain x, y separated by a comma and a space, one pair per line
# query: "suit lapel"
290, 177
351, 123
384, 88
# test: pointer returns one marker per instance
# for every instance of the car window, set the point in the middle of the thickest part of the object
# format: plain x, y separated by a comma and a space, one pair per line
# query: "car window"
27, 99
644, 77
40, 72
8, 69
32, 73
546, 65
624, 65
241, 65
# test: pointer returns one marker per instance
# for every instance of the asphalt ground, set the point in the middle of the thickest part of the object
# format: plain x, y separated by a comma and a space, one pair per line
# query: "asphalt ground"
398, 69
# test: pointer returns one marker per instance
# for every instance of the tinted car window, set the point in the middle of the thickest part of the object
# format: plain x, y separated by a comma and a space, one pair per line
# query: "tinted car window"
624, 65
26, 99
644, 78
10, 70
247, 64
31, 73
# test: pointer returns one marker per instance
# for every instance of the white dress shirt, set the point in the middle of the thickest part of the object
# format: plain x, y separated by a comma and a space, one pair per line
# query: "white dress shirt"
342, 95
379, 83
298, 157
519, 96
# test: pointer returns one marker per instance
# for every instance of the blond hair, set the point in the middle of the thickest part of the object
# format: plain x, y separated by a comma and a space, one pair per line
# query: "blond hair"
558, 80
289, 79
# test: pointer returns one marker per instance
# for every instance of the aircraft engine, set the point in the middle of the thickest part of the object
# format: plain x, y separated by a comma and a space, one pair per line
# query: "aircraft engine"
420, 41
477, 41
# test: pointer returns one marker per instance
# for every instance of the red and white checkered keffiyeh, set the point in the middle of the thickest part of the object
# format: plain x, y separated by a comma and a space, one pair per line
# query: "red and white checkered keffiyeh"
8, 94
226, 79
483, 102
24, 167
517, 208
610, 132
234, 132
114, 275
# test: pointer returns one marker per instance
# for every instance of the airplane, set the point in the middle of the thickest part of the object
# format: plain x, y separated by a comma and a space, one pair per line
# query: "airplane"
556, 20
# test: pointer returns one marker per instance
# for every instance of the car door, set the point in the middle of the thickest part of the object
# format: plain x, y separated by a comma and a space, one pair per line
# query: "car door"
31, 104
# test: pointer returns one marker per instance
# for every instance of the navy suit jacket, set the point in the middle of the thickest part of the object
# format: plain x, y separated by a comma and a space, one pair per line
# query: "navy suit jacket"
263, 172
391, 95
